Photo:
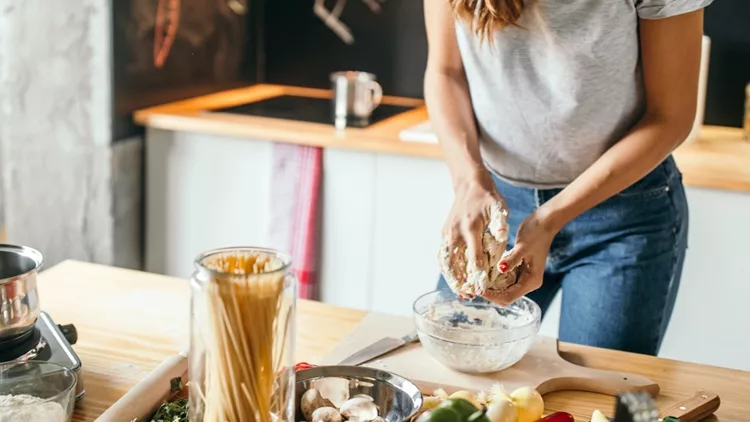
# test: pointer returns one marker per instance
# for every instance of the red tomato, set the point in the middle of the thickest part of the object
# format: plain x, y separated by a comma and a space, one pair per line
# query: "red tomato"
302, 365
558, 417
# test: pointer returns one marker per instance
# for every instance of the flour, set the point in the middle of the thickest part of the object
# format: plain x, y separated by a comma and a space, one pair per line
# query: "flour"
26, 408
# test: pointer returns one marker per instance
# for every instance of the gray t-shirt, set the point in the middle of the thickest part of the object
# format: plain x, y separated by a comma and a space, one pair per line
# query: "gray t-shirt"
550, 99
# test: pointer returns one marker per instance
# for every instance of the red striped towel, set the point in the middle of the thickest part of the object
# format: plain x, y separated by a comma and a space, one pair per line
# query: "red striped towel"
295, 193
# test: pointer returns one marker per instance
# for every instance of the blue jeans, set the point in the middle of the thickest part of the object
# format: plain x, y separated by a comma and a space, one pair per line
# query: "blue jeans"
618, 264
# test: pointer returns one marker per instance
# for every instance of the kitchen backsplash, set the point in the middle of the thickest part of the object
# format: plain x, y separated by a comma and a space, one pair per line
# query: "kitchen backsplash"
284, 42
301, 50
728, 25
214, 49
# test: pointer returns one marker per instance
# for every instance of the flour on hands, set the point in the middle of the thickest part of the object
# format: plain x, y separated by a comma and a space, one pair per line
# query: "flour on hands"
468, 278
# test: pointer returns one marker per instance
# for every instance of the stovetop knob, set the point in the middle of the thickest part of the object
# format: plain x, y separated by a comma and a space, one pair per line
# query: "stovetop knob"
70, 333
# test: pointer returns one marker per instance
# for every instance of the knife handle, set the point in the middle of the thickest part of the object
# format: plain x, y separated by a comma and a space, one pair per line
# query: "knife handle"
696, 408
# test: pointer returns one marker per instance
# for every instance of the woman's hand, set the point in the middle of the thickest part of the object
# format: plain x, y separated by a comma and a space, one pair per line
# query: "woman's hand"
468, 218
530, 251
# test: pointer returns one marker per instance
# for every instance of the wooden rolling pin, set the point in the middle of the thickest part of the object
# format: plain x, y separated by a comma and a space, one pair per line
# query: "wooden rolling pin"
150, 393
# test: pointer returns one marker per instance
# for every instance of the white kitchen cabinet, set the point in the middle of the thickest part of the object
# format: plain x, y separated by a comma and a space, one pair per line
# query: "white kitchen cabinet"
711, 316
382, 218
711, 319
203, 192
412, 200
346, 246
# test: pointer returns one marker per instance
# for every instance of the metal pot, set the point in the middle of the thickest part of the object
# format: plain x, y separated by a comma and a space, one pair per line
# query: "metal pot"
19, 302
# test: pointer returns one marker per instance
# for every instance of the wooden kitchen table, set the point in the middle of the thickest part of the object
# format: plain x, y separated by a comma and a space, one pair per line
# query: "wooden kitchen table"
129, 321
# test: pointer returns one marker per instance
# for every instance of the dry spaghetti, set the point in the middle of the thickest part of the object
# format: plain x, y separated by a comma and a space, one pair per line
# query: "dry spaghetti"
243, 327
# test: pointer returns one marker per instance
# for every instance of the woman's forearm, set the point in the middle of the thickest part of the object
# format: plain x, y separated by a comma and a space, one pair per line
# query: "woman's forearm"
629, 160
670, 55
452, 119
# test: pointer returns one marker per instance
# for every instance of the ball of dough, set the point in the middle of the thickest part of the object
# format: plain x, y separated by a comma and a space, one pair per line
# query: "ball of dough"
464, 275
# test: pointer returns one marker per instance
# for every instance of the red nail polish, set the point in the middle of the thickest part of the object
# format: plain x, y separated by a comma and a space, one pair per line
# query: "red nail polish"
503, 267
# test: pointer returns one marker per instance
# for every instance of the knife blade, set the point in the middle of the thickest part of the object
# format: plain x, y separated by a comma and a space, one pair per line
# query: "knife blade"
702, 405
379, 348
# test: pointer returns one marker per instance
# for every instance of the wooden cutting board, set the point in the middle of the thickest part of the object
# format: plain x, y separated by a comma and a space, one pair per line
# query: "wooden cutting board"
542, 367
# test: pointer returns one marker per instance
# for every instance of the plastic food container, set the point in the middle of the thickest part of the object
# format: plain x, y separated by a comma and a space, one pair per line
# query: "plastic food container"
52, 389
475, 336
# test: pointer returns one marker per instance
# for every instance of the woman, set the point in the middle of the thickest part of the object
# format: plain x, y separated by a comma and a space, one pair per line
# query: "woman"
568, 112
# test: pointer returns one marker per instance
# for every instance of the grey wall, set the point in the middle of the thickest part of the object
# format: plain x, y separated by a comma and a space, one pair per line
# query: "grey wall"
71, 74
67, 191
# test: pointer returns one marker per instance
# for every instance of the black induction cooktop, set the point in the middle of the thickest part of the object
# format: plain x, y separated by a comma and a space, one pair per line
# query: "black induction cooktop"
308, 109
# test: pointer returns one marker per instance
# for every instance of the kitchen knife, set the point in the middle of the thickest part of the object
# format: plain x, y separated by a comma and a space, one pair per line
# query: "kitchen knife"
379, 348
702, 405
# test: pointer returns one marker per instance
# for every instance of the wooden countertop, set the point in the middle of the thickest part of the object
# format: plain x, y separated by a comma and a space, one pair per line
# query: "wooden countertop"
129, 321
720, 159
193, 115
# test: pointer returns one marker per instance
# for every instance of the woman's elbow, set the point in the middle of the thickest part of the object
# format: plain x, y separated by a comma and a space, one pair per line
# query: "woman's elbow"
434, 79
682, 124
677, 124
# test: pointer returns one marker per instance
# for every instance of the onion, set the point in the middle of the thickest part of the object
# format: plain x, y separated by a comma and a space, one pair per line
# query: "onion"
598, 416
529, 403
466, 395
502, 411
498, 393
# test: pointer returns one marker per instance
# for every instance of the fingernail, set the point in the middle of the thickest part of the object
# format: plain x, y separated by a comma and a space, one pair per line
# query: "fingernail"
503, 266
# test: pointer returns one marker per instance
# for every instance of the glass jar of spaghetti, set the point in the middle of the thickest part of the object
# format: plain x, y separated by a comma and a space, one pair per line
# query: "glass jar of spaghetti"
242, 336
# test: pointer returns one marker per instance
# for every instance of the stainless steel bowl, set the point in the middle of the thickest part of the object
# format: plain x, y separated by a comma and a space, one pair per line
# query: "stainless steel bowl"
19, 302
398, 398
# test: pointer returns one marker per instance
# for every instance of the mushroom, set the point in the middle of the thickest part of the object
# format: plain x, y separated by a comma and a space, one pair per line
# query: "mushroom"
363, 396
360, 408
311, 401
326, 414
334, 389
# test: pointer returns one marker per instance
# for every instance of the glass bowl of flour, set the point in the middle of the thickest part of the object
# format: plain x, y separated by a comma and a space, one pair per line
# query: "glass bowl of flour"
36, 391
475, 336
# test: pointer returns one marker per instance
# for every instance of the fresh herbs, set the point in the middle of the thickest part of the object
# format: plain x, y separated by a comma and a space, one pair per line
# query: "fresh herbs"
172, 411
175, 410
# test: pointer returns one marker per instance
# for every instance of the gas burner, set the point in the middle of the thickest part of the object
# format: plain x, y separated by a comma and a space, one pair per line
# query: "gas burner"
22, 347
46, 342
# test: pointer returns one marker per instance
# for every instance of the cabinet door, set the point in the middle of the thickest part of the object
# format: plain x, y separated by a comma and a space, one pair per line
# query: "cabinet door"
714, 287
203, 192
347, 203
412, 198
711, 313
